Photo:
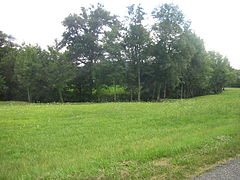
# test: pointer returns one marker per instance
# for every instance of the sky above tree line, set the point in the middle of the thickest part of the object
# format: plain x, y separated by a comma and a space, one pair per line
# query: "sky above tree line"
40, 21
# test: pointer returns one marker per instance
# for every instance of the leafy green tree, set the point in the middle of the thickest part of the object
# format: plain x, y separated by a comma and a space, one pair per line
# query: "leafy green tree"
103, 59
6, 41
60, 70
136, 40
110, 75
111, 71
27, 68
3, 87
197, 75
220, 73
234, 80
7, 61
83, 38
168, 29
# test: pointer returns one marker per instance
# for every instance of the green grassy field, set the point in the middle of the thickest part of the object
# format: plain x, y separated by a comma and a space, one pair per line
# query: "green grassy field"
171, 140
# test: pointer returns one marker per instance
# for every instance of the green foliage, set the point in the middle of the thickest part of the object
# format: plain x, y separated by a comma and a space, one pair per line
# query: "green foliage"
83, 38
8, 84
111, 90
221, 71
234, 78
60, 71
41, 72
171, 50
136, 40
83, 33
110, 93
170, 140
28, 68
6, 41
152, 62
196, 78
3, 87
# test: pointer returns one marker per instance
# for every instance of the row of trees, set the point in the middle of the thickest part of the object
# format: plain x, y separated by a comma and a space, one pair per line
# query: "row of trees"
101, 58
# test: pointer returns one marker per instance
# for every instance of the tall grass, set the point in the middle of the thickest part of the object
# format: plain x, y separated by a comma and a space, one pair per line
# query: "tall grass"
171, 140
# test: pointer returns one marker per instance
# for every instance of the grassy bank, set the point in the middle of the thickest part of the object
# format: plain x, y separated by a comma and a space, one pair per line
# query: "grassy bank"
171, 140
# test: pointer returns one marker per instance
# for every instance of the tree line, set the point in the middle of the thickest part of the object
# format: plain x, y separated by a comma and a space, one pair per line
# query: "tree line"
102, 58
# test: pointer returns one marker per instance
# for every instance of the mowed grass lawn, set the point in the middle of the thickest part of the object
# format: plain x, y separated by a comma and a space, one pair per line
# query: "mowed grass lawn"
171, 140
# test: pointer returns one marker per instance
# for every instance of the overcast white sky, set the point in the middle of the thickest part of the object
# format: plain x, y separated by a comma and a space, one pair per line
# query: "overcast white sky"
39, 21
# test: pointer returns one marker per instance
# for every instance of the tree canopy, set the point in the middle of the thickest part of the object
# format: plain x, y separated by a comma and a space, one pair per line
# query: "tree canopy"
103, 57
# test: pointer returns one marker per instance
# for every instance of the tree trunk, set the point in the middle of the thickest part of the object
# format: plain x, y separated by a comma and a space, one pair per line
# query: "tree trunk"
165, 90
159, 92
181, 96
154, 89
60, 95
184, 93
139, 83
29, 95
191, 92
92, 80
115, 92
131, 95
